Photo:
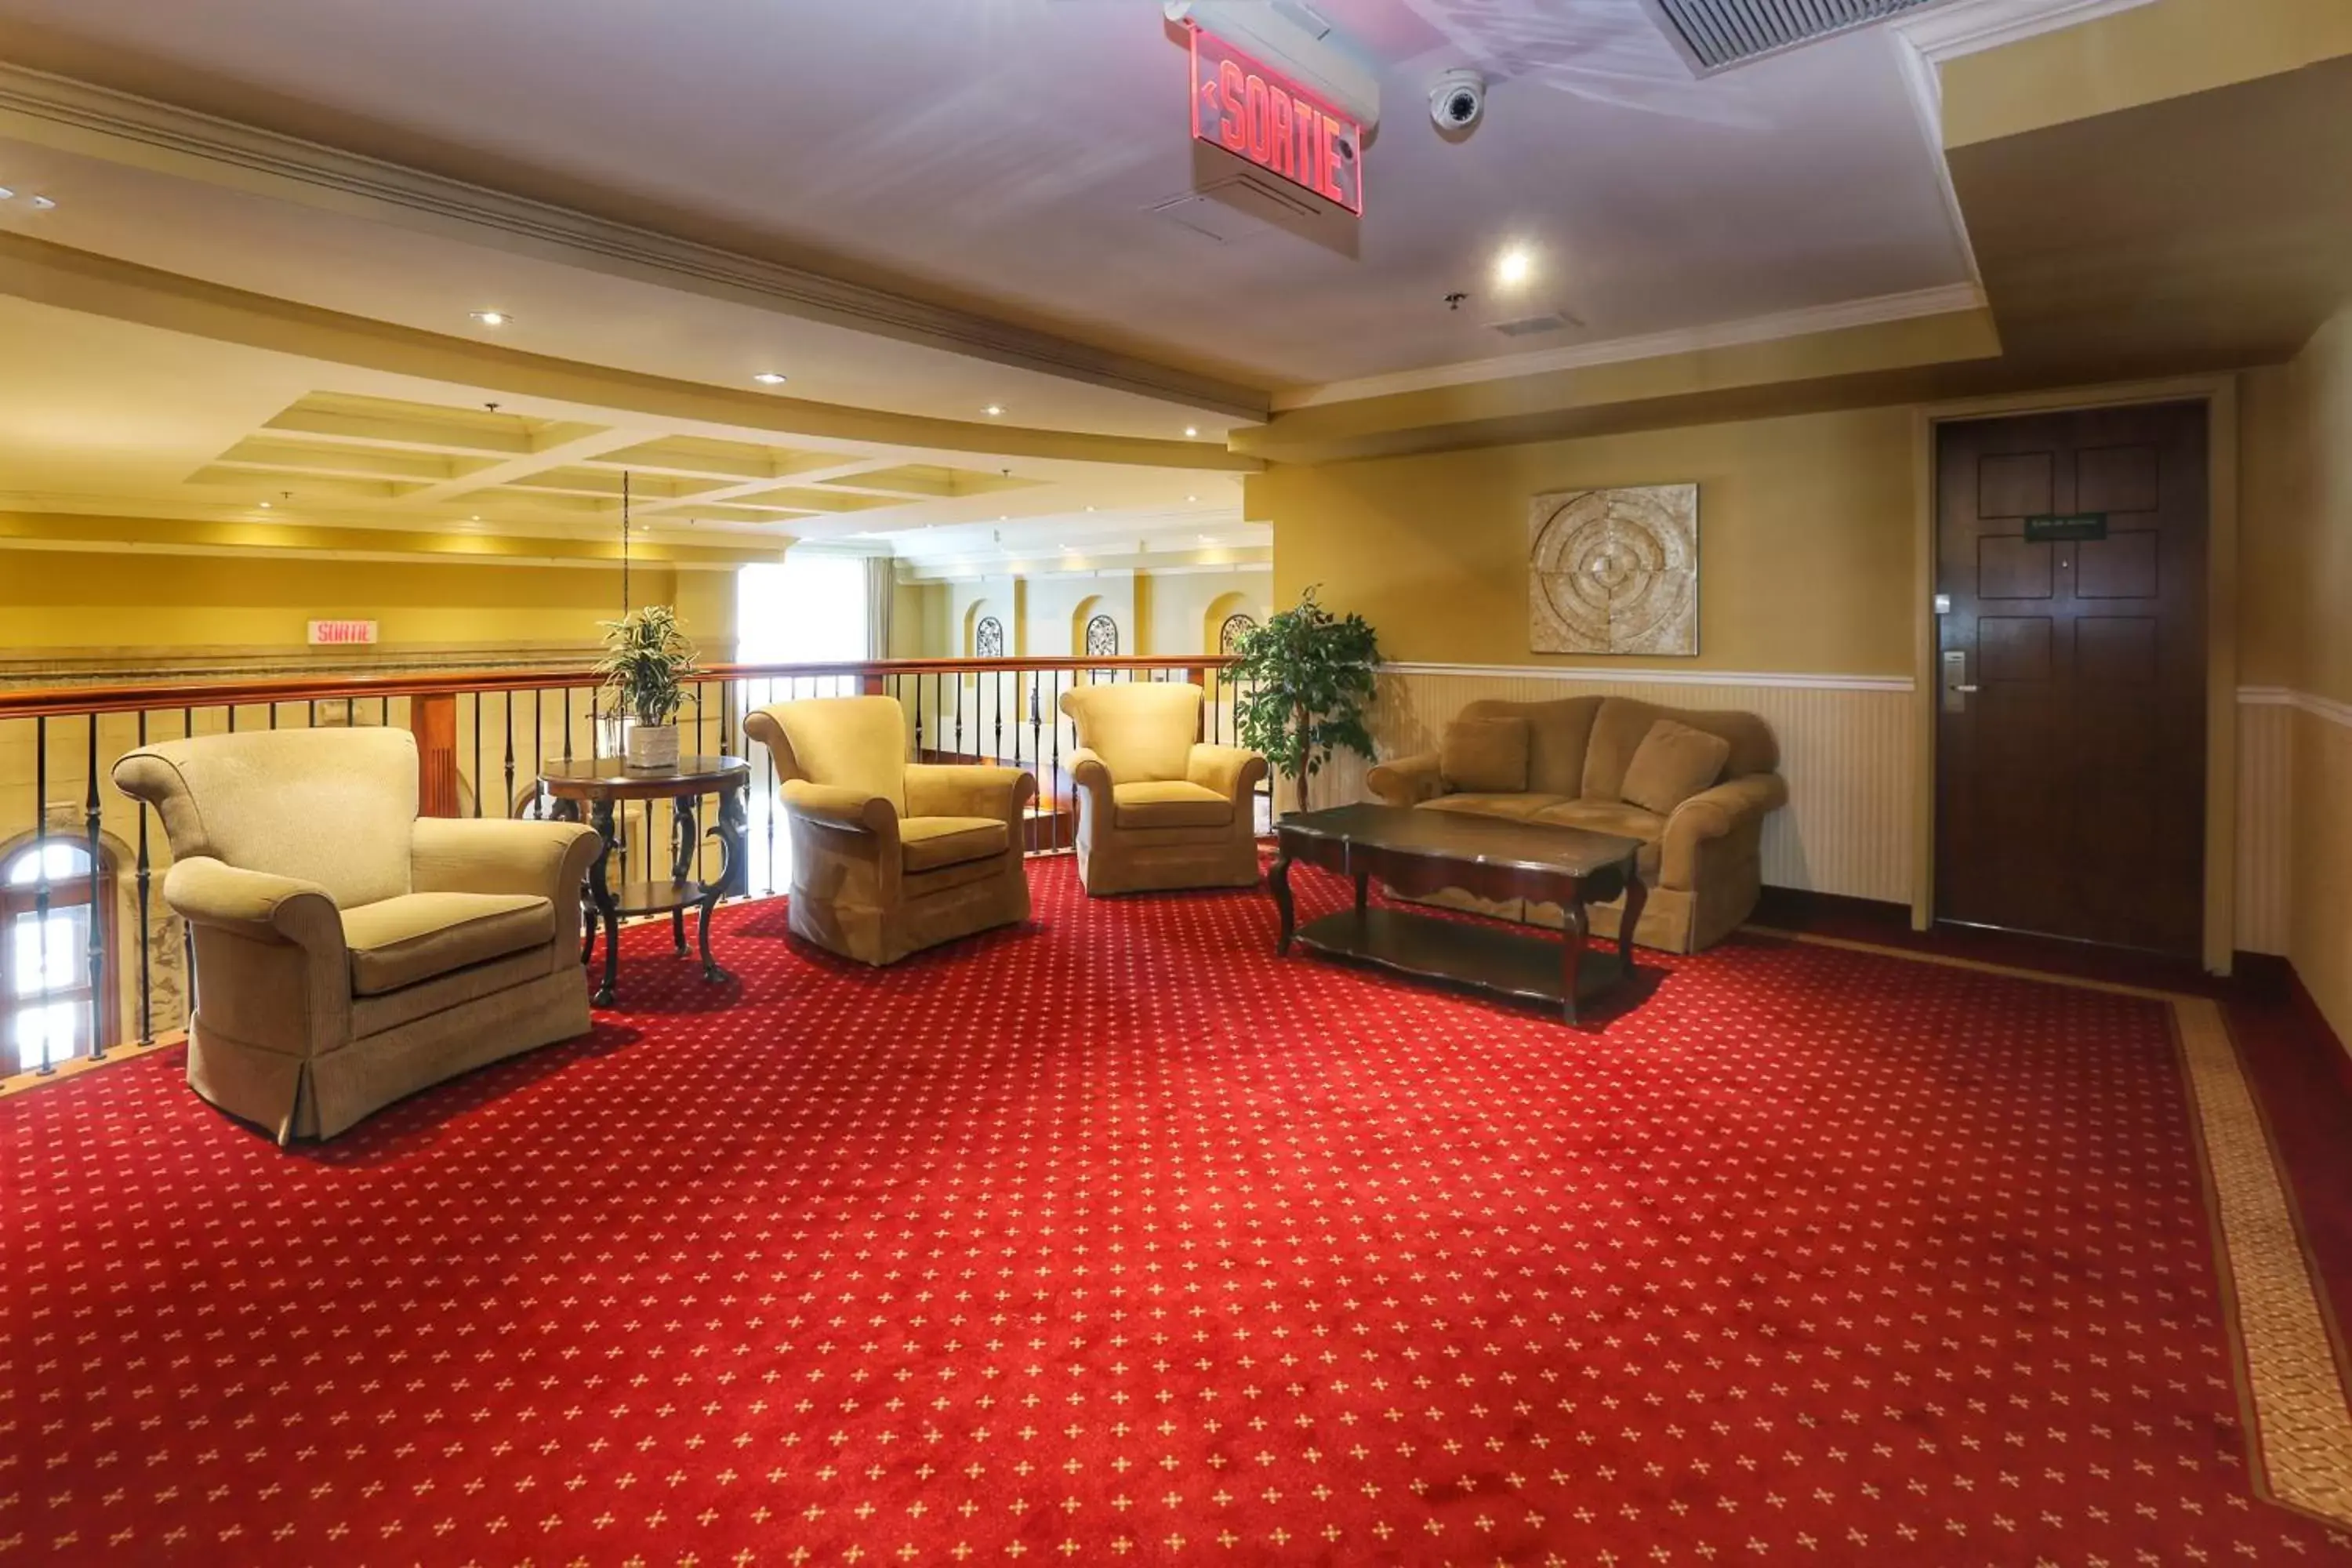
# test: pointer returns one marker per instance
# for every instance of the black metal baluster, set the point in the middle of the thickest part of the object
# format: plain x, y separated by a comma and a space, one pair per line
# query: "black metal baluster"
41, 862
141, 881
506, 805
273, 715
477, 754
538, 731
997, 743
1054, 830
383, 713
567, 723
310, 714
232, 718
771, 808
96, 945
919, 718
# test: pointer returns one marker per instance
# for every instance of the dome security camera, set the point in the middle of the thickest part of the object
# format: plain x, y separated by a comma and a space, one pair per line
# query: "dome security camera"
1457, 99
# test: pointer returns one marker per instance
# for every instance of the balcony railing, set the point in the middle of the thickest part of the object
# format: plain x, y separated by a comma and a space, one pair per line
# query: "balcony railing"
91, 962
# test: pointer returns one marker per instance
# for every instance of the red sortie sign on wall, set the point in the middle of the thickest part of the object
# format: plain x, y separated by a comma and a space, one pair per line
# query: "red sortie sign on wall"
1254, 112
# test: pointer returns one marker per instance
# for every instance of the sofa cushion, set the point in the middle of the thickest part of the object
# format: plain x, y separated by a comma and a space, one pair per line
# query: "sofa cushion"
1673, 763
927, 843
1170, 803
1519, 808
1617, 817
1484, 755
399, 941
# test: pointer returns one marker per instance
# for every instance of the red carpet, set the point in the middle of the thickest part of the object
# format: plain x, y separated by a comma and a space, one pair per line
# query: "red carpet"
1117, 1240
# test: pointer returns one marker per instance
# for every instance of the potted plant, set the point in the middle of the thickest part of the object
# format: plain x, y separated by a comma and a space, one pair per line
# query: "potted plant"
1305, 676
646, 664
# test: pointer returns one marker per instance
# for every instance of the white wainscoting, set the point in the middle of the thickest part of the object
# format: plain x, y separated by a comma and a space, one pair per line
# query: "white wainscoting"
2284, 734
1847, 749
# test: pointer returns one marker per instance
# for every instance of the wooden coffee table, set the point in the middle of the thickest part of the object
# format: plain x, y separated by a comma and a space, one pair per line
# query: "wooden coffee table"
1421, 852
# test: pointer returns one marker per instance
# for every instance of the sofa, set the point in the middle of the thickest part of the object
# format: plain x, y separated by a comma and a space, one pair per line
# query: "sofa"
1693, 785
1157, 808
347, 952
890, 857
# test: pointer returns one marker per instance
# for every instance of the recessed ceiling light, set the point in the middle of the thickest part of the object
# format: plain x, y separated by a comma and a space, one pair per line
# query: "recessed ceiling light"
769, 378
994, 411
492, 318
7, 195
265, 505
1514, 267
1208, 539
42, 203
1192, 429
1192, 498
1090, 509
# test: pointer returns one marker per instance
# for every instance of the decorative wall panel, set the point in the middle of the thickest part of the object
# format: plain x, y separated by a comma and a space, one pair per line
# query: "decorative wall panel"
1615, 571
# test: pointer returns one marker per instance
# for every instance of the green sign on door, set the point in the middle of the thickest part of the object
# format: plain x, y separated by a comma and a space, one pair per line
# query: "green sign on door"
2055, 528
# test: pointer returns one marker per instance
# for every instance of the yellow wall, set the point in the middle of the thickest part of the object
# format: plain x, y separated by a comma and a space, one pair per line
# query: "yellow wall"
2298, 543
1158, 612
1805, 528
55, 600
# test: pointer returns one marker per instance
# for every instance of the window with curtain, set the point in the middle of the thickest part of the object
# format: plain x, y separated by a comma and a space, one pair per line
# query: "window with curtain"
809, 608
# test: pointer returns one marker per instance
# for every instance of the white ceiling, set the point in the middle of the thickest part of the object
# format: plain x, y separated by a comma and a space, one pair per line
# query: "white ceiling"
1004, 153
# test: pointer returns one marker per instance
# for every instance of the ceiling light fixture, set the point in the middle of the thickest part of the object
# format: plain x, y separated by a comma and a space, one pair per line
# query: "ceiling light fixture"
42, 203
1192, 429
1193, 497
265, 505
769, 378
994, 411
1514, 267
492, 318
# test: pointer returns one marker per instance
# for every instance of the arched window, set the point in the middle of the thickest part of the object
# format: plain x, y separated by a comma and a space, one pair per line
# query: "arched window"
47, 984
988, 638
1102, 638
1229, 636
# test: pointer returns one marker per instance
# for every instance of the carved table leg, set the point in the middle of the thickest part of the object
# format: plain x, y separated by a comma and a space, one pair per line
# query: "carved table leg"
600, 887
684, 836
560, 809
734, 835
1277, 881
1637, 893
1574, 925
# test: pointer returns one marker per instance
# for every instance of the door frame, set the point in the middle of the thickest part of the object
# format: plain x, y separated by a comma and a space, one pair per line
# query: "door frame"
2219, 394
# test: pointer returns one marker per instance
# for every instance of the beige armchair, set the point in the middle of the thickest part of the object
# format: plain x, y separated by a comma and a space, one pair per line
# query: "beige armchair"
1157, 808
891, 856
348, 952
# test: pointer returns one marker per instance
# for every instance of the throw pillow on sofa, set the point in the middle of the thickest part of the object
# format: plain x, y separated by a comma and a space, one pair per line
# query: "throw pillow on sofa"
1673, 763
1483, 756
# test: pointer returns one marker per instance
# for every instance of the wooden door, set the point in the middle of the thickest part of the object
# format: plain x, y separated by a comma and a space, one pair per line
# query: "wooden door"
2070, 780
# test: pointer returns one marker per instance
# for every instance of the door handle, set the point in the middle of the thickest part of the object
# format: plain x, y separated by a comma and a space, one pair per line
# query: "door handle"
1955, 683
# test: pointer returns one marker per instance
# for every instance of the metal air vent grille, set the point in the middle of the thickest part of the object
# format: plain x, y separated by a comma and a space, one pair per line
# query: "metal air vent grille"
1714, 35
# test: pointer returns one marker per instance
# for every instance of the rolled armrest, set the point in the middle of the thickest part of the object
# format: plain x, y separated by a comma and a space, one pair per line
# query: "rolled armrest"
1714, 813
968, 789
1408, 781
1231, 771
283, 911
839, 807
486, 855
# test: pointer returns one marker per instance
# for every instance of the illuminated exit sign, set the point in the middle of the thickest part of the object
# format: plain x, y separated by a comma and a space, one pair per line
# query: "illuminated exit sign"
342, 634
1254, 112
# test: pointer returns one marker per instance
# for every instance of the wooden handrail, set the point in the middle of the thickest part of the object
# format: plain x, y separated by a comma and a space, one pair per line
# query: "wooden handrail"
57, 701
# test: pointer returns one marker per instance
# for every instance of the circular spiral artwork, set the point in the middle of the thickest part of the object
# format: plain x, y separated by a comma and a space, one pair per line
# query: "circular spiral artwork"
1230, 634
1102, 638
988, 638
1615, 571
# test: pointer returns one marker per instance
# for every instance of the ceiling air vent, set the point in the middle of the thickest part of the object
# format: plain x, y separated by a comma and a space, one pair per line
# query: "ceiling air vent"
1530, 326
1714, 35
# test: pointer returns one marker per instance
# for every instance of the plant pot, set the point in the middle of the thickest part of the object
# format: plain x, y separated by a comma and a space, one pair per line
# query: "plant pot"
652, 748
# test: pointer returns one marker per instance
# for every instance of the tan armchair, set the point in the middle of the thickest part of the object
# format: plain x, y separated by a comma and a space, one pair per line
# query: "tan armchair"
348, 952
891, 856
1156, 808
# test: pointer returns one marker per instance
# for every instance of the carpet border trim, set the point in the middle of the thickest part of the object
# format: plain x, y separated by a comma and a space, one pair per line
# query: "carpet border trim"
2289, 1354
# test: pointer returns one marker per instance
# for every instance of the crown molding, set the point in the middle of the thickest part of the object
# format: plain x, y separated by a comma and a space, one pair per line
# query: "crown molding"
1811, 319
79, 117
1947, 32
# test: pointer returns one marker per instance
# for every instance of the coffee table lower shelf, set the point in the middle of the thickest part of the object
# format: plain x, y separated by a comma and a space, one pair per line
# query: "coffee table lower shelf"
1477, 957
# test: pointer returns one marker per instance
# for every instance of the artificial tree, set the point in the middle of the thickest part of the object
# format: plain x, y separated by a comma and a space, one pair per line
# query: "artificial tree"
646, 664
1305, 676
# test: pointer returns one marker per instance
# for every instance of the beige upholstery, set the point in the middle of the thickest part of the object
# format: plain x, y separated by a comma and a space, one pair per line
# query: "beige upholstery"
891, 856
348, 952
1703, 862
1157, 809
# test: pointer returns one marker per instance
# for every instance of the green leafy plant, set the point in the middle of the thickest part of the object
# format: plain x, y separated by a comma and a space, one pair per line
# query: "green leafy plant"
647, 663
1305, 676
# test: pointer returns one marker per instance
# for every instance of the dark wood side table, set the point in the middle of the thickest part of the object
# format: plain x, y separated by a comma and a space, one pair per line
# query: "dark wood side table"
602, 784
1420, 852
